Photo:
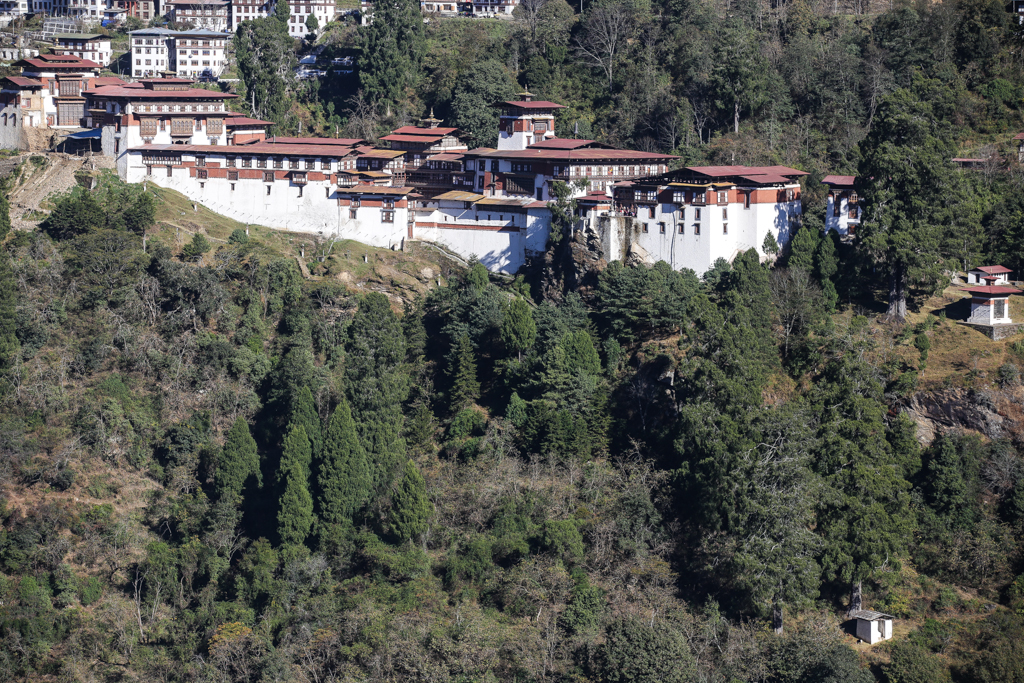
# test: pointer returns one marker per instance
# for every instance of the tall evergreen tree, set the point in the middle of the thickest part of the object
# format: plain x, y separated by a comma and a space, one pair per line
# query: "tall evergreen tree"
265, 62
295, 506
903, 175
344, 477
5, 215
411, 507
393, 48
304, 415
376, 384
518, 330
465, 386
239, 462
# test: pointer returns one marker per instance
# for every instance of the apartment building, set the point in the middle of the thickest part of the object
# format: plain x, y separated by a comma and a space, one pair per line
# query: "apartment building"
195, 54
92, 46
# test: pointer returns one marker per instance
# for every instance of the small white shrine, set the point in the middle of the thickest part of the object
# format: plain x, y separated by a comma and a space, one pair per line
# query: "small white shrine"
990, 303
873, 627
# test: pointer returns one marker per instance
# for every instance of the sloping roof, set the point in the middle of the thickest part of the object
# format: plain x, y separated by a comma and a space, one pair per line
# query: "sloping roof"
382, 154
1019, 136
870, 615
101, 81
446, 157
58, 58
145, 93
23, 82
166, 81
585, 154
991, 290
254, 148
565, 143
839, 179
376, 189
243, 121
745, 171
481, 150
339, 142
993, 270
416, 130
504, 201
529, 105
460, 196
767, 178
424, 139
47, 65
80, 36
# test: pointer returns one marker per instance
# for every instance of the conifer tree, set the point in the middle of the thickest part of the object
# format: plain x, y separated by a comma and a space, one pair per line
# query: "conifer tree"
803, 248
8, 313
465, 386
827, 264
393, 50
295, 511
410, 506
344, 477
239, 462
5, 215
376, 384
518, 329
304, 415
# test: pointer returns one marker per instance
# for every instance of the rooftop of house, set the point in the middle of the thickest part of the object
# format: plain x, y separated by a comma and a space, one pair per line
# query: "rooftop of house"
423, 139
339, 142
268, 148
80, 36
565, 143
245, 122
420, 130
21, 82
991, 291
992, 270
839, 180
168, 33
138, 91
56, 63
579, 155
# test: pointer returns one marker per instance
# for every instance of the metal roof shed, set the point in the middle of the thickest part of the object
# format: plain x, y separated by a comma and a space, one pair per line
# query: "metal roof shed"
873, 627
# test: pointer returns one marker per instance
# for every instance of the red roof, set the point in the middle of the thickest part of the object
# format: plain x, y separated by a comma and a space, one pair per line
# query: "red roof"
172, 80
376, 189
340, 142
254, 148
24, 82
63, 62
745, 171
839, 180
481, 150
991, 290
445, 157
424, 139
59, 58
243, 121
994, 270
416, 130
767, 178
586, 154
529, 105
145, 94
105, 80
562, 143
1019, 136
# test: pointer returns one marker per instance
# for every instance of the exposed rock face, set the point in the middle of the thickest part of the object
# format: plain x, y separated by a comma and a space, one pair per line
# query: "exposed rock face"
937, 412
572, 266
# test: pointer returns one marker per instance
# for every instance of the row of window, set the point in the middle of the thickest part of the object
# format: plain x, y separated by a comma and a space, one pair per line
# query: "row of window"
179, 107
681, 227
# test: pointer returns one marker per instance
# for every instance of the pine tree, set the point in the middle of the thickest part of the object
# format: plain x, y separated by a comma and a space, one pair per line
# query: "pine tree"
239, 462
376, 385
465, 386
803, 248
344, 477
516, 411
410, 506
518, 330
5, 215
393, 50
295, 512
304, 415
8, 313
827, 265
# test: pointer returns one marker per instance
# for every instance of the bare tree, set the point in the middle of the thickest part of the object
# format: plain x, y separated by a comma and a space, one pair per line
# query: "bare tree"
606, 32
527, 15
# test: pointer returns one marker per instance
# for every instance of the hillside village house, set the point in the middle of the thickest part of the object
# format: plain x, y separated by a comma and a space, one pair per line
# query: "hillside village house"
92, 46
323, 10
211, 15
842, 210
196, 53
47, 95
247, 10
147, 10
990, 303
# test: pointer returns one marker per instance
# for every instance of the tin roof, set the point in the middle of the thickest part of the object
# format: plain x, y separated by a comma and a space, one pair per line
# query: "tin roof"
425, 139
23, 82
991, 290
839, 180
142, 93
416, 130
746, 171
585, 154
993, 270
80, 36
446, 157
522, 104
460, 196
375, 189
870, 615
382, 154
564, 143
340, 142
243, 121
767, 179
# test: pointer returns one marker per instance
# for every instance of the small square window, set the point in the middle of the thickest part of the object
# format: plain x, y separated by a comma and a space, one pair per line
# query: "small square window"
661, 228
696, 214
645, 228
268, 190
696, 228
682, 231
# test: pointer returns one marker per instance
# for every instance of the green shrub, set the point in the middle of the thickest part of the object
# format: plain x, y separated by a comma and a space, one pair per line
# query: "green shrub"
90, 589
911, 663
564, 539
194, 250
638, 652
238, 236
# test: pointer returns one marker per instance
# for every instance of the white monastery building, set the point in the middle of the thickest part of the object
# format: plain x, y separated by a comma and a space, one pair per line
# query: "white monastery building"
247, 10
842, 211
323, 10
197, 53
1000, 275
211, 15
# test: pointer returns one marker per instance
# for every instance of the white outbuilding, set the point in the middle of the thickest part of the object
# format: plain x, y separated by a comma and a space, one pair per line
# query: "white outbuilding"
1000, 273
873, 627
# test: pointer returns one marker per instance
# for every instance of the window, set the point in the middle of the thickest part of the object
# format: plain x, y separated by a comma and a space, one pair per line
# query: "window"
268, 190
293, 163
261, 163
268, 176
232, 175
202, 173
661, 228
246, 163
352, 214
494, 166
325, 164
388, 203
645, 228
310, 164
682, 231
389, 217
725, 214
679, 197
149, 169
854, 209
650, 212
696, 214
229, 162
836, 203
200, 161
278, 163
169, 169
746, 200
698, 197
725, 228
696, 228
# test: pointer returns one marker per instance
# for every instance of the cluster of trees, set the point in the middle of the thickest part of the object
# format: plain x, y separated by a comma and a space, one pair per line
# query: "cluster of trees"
250, 476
